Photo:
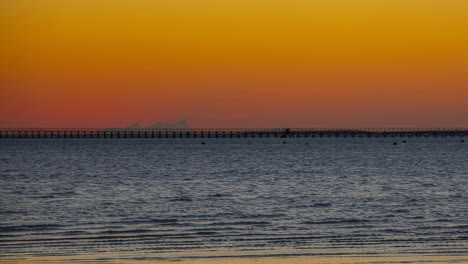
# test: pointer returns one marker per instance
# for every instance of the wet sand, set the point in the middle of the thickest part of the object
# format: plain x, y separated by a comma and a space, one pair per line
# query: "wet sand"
80, 259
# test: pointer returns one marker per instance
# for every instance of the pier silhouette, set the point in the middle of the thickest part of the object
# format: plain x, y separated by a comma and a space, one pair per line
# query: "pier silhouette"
128, 133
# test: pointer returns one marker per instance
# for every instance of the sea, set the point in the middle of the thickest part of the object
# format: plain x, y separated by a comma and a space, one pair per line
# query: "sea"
186, 199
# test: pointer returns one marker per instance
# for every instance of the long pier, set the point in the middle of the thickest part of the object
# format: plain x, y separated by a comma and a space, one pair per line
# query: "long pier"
126, 133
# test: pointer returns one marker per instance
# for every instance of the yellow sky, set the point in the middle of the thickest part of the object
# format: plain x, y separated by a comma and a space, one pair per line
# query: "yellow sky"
234, 63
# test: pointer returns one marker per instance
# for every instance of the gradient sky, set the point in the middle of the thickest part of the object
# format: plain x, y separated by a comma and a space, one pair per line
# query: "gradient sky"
234, 63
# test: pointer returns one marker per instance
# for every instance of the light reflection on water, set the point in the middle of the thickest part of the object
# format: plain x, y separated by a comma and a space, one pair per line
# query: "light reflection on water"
176, 199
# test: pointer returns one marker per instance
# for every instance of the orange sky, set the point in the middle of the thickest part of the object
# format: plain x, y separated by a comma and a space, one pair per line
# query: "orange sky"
234, 63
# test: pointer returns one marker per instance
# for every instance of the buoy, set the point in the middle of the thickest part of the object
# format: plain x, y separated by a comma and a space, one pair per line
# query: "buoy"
394, 143
463, 141
203, 143
284, 142
404, 141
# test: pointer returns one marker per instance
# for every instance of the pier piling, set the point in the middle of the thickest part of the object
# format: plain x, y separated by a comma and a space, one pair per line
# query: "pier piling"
24, 133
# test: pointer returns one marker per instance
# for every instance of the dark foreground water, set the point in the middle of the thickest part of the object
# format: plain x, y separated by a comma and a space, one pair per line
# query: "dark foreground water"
178, 199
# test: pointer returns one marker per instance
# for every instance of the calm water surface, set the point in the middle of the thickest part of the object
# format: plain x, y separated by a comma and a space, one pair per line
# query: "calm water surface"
177, 199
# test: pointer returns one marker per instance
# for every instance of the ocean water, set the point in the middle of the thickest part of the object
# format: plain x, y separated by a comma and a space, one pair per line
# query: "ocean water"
176, 199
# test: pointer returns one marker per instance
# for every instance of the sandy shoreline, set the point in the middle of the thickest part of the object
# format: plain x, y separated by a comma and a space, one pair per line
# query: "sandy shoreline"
264, 260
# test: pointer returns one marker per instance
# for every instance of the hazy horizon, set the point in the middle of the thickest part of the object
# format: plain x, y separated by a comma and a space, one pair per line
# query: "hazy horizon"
240, 127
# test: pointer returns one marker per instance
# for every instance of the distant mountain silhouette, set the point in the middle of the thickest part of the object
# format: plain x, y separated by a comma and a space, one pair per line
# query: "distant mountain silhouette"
136, 125
178, 124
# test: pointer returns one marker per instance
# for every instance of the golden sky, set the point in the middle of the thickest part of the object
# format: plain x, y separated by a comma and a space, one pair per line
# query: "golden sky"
234, 63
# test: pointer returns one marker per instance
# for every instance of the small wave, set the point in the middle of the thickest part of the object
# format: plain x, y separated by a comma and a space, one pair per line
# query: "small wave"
182, 199
401, 211
159, 221
219, 195
206, 233
7, 170
6, 236
28, 227
134, 231
460, 226
164, 221
66, 193
314, 205
415, 217
444, 220
255, 216
10, 212
429, 227
74, 233
242, 223
343, 221
391, 230
213, 229
43, 197
321, 205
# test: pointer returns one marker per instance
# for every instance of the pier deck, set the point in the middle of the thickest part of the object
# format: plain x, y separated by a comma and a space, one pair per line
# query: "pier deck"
118, 133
